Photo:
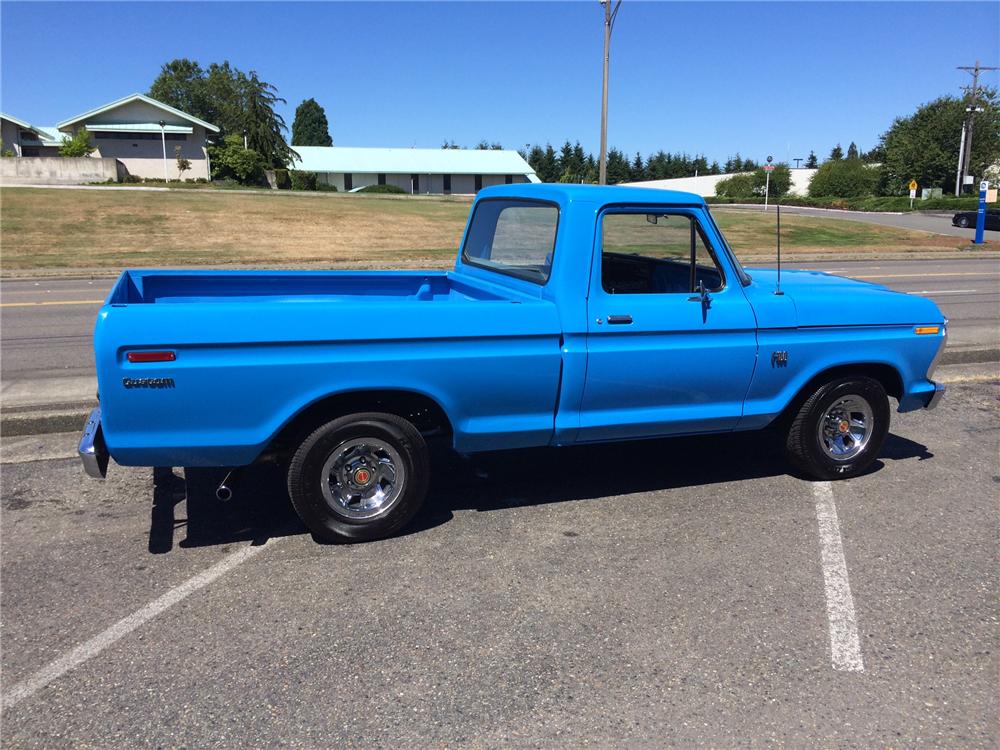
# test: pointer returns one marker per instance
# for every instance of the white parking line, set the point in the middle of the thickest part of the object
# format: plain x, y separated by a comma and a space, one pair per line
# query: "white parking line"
89, 649
946, 291
845, 649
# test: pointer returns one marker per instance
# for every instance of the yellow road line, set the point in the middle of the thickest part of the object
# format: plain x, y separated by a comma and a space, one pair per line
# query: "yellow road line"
56, 302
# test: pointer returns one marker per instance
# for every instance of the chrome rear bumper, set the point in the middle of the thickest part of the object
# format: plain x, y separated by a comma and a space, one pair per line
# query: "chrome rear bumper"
93, 451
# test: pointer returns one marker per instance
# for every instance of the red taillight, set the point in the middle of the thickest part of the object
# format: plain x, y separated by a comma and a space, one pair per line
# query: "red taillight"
151, 356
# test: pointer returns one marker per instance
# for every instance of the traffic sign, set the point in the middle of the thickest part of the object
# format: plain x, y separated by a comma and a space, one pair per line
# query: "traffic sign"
913, 184
768, 167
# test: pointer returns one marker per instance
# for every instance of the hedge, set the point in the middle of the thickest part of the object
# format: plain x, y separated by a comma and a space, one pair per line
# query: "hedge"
383, 189
866, 203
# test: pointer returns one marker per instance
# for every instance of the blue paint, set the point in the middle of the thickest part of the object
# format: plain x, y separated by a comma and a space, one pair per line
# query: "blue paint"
511, 361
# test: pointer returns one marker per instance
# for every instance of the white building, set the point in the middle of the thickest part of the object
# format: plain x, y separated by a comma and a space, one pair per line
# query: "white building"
704, 185
415, 170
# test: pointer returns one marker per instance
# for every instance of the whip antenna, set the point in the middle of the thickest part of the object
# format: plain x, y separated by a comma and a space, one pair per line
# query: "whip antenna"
777, 288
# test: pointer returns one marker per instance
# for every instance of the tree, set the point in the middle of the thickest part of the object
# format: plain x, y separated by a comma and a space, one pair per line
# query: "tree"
450, 145
183, 165
484, 145
181, 84
844, 178
618, 167
637, 171
310, 126
837, 153
812, 161
924, 146
236, 102
77, 145
852, 151
736, 186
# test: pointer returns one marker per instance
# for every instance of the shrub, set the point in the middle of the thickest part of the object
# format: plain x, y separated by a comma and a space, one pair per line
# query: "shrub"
132, 178
302, 180
78, 145
737, 186
848, 178
281, 179
326, 188
232, 161
780, 183
394, 189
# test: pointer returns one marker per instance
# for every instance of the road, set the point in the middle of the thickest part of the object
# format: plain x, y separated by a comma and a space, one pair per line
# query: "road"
667, 593
938, 223
47, 325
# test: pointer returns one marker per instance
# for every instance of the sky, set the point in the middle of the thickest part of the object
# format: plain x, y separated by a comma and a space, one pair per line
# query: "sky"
714, 78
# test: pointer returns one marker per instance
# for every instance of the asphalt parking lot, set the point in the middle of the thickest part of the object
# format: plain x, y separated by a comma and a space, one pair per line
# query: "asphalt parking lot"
679, 592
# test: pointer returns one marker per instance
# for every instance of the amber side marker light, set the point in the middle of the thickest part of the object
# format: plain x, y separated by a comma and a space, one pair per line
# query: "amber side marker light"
151, 356
924, 330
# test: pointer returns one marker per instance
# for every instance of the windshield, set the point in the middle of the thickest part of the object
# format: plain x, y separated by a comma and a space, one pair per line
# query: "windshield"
512, 236
744, 276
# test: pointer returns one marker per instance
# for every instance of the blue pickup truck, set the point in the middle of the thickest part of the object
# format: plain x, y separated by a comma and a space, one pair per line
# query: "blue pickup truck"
575, 314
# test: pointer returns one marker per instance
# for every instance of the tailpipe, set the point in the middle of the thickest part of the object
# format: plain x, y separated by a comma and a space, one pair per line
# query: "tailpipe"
224, 492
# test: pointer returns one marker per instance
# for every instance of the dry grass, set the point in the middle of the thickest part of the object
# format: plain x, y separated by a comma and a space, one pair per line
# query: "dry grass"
54, 229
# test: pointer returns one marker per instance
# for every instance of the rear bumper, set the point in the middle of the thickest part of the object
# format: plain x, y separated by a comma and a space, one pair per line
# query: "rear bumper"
93, 451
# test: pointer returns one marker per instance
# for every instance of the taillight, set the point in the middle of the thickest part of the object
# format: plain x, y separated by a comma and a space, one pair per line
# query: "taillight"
151, 356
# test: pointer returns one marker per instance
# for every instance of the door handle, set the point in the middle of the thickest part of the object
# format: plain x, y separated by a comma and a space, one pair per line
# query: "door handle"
619, 320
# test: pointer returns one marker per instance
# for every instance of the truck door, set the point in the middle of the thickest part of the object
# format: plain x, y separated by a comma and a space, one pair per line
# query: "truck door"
671, 340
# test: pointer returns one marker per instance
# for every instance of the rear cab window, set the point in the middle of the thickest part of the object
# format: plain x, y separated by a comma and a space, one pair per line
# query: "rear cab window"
514, 237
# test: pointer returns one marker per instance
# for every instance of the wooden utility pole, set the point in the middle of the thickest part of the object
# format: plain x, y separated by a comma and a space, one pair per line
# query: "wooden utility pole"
965, 147
609, 22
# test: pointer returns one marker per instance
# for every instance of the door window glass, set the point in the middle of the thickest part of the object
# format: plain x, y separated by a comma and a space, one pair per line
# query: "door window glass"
656, 253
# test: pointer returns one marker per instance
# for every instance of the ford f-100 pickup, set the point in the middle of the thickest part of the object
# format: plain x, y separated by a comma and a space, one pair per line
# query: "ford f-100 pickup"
575, 314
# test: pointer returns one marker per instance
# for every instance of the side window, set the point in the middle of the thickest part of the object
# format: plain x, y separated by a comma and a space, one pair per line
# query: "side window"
514, 237
655, 253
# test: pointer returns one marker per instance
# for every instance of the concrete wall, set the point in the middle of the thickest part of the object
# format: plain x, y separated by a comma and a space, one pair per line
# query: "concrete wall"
704, 185
58, 170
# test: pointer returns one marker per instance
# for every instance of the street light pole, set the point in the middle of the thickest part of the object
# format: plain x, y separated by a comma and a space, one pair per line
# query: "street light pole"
163, 140
609, 22
965, 149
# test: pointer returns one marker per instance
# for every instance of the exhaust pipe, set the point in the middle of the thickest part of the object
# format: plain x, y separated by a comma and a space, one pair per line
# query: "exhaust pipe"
224, 492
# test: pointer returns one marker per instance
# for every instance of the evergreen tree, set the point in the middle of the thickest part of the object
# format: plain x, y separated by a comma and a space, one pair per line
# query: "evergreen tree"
637, 171
618, 167
812, 161
837, 153
852, 151
264, 128
714, 168
310, 127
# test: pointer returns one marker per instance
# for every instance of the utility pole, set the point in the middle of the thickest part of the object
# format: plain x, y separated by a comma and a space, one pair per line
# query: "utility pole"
965, 148
609, 22
163, 141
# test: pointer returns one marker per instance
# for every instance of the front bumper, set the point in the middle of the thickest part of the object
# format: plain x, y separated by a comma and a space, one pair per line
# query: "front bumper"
93, 450
935, 399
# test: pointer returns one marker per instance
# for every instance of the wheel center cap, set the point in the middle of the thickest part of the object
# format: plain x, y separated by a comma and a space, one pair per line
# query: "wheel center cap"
362, 476
844, 426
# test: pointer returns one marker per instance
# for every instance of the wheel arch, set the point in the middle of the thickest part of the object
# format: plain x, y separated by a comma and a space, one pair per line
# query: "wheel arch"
423, 411
887, 375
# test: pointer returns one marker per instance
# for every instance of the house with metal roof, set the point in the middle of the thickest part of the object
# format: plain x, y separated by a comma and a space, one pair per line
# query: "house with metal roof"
24, 139
415, 170
146, 136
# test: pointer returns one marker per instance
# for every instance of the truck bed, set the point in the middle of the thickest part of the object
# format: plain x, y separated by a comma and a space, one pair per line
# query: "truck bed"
158, 287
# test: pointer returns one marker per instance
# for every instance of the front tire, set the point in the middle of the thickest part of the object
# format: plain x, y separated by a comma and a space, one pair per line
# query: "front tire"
963, 222
359, 477
839, 430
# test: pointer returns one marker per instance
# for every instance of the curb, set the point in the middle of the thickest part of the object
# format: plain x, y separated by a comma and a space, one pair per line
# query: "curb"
70, 417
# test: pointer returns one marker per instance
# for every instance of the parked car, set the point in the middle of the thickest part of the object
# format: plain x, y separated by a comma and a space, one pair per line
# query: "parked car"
968, 219
574, 314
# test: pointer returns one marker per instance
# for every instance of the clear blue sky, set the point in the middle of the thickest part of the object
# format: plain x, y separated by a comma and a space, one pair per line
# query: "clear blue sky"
760, 78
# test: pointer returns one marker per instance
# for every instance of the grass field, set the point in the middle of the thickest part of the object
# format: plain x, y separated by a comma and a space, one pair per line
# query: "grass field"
92, 229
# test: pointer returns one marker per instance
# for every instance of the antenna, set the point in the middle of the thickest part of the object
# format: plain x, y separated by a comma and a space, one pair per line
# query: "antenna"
777, 207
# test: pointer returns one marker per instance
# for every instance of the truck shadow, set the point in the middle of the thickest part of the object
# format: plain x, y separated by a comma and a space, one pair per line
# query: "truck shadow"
261, 510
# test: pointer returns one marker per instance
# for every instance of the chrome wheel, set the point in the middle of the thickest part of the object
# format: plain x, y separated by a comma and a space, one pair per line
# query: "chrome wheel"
846, 427
363, 478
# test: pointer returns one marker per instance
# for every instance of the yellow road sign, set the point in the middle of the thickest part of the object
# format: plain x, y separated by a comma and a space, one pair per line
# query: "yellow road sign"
913, 184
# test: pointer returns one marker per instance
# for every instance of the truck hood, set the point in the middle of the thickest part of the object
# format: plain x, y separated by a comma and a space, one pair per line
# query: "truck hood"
822, 299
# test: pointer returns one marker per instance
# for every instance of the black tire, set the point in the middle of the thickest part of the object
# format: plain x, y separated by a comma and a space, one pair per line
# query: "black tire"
328, 520
804, 446
963, 221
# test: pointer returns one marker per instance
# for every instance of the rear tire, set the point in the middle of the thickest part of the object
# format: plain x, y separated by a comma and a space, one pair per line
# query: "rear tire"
359, 477
963, 222
840, 429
